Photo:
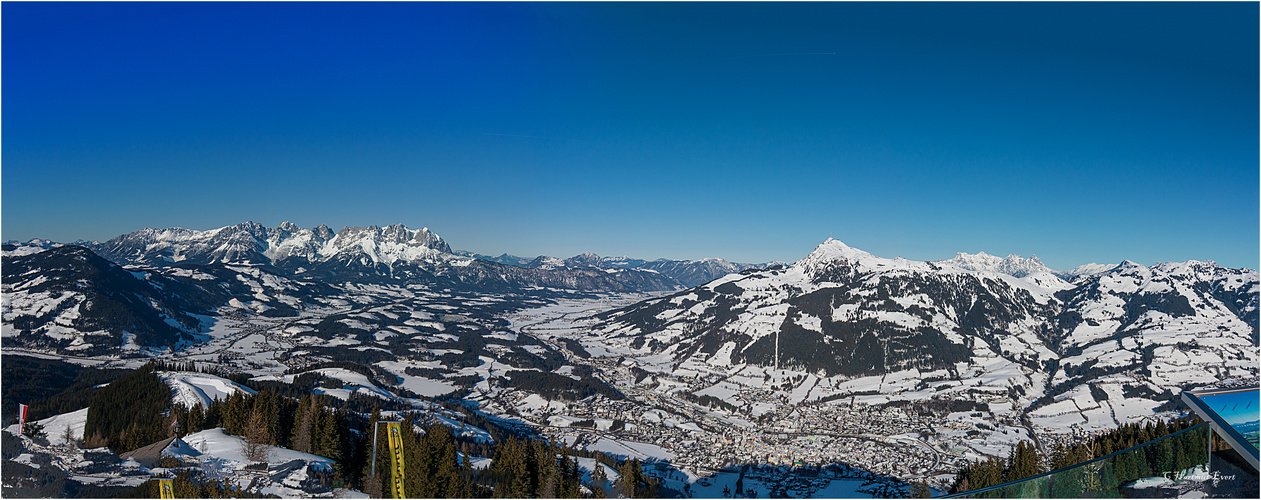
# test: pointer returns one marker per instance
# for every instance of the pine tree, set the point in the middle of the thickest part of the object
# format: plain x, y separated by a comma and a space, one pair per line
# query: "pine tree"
545, 467
445, 463
599, 477
195, 421
633, 483
626, 480
1162, 457
571, 476
510, 469
1023, 462
985, 474
1180, 461
305, 418
418, 480
327, 434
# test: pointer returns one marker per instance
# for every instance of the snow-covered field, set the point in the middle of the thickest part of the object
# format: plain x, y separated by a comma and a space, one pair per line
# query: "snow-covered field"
55, 426
631, 449
218, 444
353, 382
419, 385
193, 388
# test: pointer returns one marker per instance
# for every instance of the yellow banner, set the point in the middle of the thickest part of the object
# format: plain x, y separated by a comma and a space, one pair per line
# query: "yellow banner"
395, 437
166, 489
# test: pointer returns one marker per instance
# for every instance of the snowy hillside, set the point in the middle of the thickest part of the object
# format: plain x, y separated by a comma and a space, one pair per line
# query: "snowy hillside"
844, 323
69, 299
58, 427
193, 388
1152, 331
211, 451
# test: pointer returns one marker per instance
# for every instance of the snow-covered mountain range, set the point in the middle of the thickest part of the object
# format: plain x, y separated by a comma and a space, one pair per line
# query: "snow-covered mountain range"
983, 351
688, 273
1127, 331
284, 245
392, 252
1020, 267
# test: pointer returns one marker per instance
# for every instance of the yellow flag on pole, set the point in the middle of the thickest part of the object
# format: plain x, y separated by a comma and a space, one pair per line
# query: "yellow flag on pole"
395, 436
166, 489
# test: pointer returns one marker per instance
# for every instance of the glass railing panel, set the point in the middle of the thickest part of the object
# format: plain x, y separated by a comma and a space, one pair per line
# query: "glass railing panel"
1175, 465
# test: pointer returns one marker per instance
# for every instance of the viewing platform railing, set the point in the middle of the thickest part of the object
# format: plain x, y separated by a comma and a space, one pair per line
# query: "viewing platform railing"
1180, 461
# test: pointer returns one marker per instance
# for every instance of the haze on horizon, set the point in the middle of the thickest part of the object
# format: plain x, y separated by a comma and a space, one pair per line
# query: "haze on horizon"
1078, 132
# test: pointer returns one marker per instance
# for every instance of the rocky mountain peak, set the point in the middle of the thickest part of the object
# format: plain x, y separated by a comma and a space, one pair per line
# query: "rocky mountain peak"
585, 259
832, 250
423, 237
288, 227
323, 232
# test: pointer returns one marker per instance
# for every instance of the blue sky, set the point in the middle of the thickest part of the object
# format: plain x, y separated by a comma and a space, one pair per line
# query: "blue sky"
1080, 132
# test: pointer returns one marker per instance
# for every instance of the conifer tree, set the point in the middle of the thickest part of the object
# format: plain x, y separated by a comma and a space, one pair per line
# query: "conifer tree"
544, 467
196, 418
418, 480
1023, 462
305, 418
598, 478
626, 480
570, 474
445, 462
327, 436
985, 473
510, 468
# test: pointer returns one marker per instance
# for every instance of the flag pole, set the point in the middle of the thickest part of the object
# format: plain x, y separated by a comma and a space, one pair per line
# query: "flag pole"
375, 433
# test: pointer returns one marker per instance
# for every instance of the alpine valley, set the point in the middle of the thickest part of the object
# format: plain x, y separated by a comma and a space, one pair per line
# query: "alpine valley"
877, 372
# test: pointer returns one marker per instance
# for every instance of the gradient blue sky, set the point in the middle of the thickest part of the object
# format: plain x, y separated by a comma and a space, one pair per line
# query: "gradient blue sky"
1080, 132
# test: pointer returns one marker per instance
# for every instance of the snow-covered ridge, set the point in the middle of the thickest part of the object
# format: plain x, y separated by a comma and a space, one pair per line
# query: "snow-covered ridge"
686, 272
252, 242
33, 246
1090, 269
1013, 265
1030, 274
1109, 348
833, 251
